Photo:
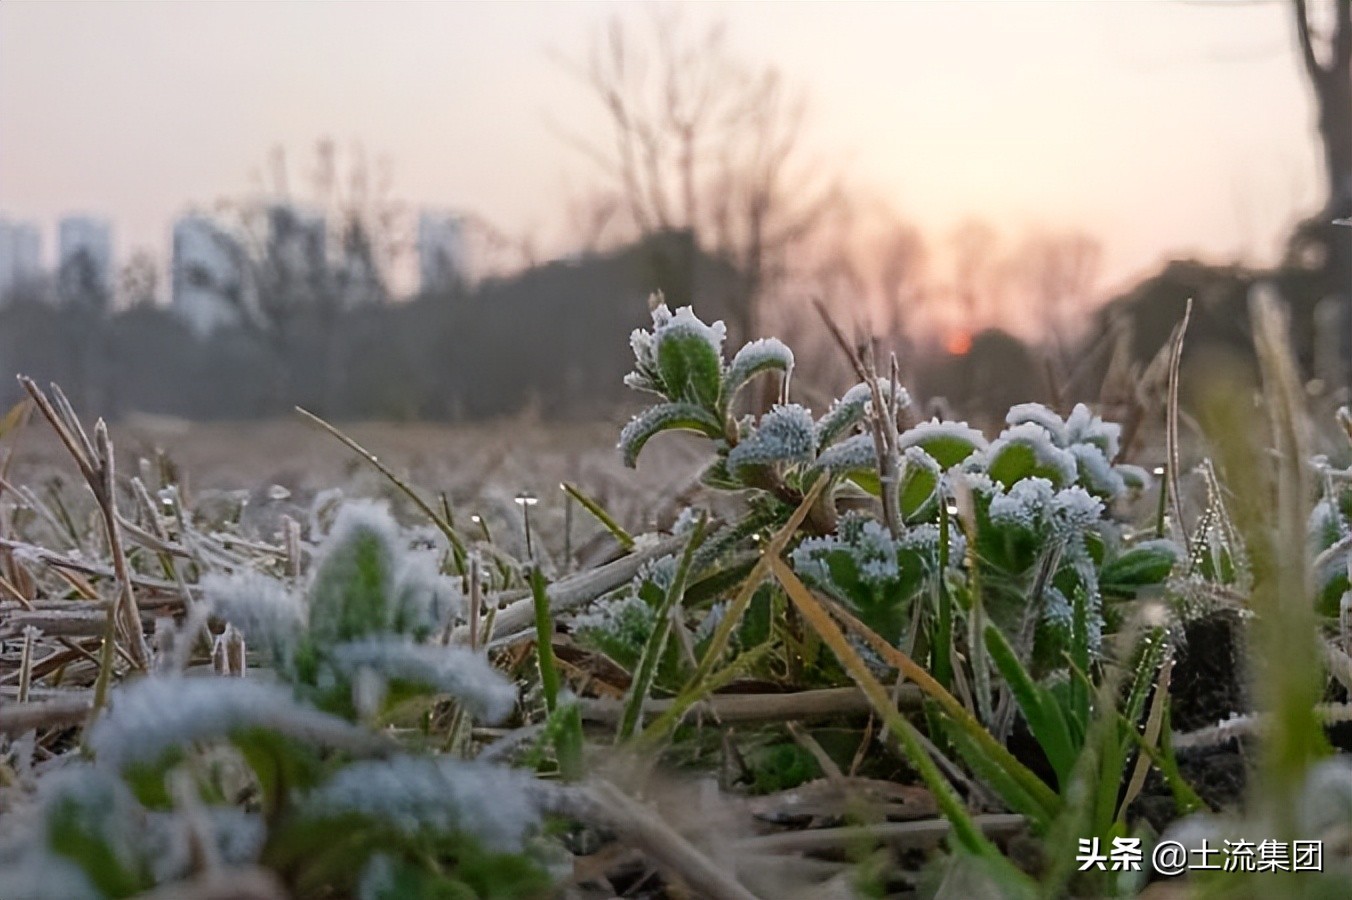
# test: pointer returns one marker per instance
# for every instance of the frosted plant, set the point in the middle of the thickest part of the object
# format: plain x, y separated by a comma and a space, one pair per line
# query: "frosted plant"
617, 626
237, 837
79, 838
866, 568
457, 671
417, 795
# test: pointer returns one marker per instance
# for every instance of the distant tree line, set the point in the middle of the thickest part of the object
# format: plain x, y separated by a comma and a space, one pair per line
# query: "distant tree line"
553, 339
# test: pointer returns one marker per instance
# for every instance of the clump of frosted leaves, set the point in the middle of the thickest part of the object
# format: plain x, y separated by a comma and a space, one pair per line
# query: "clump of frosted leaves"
445, 796
1079, 449
786, 434
618, 623
367, 579
665, 377
868, 544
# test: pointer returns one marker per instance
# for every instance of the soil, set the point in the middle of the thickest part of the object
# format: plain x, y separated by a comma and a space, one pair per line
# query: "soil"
1208, 686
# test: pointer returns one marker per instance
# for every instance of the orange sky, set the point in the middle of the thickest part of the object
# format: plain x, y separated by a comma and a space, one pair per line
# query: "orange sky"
1162, 127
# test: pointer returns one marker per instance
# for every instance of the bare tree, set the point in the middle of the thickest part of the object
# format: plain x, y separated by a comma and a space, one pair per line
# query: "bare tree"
1327, 55
701, 142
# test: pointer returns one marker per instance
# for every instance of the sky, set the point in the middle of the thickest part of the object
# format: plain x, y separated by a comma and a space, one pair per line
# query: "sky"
1162, 127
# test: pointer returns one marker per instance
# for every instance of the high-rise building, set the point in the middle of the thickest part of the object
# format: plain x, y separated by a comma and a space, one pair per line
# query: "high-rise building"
207, 274
20, 257
84, 262
442, 251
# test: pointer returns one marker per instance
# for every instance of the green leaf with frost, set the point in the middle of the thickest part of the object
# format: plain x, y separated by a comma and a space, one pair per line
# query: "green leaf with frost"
665, 417
352, 584
1145, 564
764, 355
689, 359
947, 443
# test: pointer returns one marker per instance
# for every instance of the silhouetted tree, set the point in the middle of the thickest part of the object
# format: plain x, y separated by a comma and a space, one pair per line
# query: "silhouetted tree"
701, 142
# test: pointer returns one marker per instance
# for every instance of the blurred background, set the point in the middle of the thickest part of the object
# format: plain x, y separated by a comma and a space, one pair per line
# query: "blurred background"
456, 212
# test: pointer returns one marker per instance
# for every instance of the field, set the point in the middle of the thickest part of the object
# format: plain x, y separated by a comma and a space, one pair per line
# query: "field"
770, 653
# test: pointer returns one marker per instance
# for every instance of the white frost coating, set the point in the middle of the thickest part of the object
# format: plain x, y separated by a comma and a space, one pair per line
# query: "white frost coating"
1039, 415
786, 434
851, 454
425, 599
361, 517
150, 716
453, 670
685, 322
652, 420
935, 430
1083, 427
261, 607
1095, 472
757, 356
868, 544
1074, 511
1039, 440
856, 403
1025, 505
444, 796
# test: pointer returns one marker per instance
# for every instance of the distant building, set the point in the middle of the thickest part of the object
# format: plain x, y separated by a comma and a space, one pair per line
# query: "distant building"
20, 256
296, 241
442, 251
207, 274
84, 262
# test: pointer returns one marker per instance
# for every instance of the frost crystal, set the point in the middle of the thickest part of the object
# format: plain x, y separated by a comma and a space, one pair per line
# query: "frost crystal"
856, 403
453, 670
786, 434
153, 715
443, 796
